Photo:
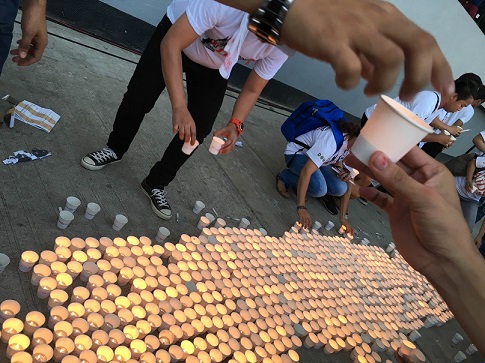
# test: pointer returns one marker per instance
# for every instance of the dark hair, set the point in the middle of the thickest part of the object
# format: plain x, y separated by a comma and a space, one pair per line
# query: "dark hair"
465, 89
480, 93
471, 77
350, 128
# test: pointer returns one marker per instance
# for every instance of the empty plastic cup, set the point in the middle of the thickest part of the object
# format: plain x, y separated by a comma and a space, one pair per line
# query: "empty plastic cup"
65, 217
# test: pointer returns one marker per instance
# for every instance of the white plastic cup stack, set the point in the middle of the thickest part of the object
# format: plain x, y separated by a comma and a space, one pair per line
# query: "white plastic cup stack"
471, 349
162, 234
198, 206
459, 357
216, 145
65, 218
71, 204
4, 261
244, 223
457, 338
329, 225
119, 222
316, 225
188, 148
91, 210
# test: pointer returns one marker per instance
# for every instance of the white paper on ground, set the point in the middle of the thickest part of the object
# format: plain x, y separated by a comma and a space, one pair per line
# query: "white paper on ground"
39, 117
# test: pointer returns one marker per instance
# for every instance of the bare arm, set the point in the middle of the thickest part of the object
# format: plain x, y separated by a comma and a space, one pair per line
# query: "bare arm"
443, 139
344, 204
470, 171
179, 37
479, 143
302, 188
34, 33
438, 124
481, 233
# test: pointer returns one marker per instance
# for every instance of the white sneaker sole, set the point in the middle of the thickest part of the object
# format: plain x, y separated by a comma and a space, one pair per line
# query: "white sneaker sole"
94, 167
155, 210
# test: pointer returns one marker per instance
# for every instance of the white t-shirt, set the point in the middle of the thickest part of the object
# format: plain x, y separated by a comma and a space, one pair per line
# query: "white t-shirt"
449, 118
323, 147
460, 182
424, 105
216, 23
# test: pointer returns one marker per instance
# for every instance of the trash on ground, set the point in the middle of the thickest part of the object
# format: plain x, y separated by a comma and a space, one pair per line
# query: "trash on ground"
239, 143
23, 156
36, 116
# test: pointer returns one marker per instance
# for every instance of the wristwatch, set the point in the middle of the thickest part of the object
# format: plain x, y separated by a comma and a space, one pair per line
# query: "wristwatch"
239, 125
298, 207
267, 21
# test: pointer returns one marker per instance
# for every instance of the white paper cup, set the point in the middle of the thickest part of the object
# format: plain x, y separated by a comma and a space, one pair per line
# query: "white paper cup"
71, 204
216, 145
353, 173
459, 357
263, 231
162, 234
220, 223
91, 210
392, 129
329, 225
244, 223
4, 261
471, 349
457, 338
210, 217
188, 149
65, 217
119, 222
415, 335
203, 222
316, 225
198, 206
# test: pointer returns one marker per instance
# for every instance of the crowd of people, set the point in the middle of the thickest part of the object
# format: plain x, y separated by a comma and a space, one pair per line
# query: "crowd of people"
203, 39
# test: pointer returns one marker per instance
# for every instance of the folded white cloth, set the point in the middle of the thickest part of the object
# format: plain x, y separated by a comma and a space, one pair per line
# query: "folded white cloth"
233, 48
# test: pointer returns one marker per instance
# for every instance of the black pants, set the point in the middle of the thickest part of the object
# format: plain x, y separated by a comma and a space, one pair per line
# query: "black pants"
432, 148
205, 93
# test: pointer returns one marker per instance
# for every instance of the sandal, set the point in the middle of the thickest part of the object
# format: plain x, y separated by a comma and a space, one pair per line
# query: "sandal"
281, 187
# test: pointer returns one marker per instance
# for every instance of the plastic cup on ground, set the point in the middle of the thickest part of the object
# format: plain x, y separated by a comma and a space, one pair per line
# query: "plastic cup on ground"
119, 222
392, 129
188, 148
415, 335
244, 223
4, 261
71, 204
471, 349
203, 222
198, 206
329, 225
216, 145
263, 231
457, 338
65, 217
316, 225
210, 217
459, 357
91, 210
220, 223
162, 234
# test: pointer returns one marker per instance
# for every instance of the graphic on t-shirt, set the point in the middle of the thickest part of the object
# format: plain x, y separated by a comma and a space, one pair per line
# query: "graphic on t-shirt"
218, 45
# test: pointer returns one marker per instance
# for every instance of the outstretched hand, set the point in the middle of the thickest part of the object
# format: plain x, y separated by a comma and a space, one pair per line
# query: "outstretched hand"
184, 125
424, 212
369, 39
229, 132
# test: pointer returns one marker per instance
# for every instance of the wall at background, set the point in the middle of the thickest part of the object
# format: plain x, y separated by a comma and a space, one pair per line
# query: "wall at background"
459, 37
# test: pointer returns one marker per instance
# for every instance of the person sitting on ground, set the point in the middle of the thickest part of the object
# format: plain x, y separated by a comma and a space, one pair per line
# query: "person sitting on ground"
310, 170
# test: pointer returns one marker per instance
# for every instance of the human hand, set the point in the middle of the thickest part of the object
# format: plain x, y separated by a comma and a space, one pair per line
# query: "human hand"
348, 227
369, 39
422, 188
469, 186
230, 133
34, 34
344, 176
445, 140
455, 130
304, 218
184, 124
478, 240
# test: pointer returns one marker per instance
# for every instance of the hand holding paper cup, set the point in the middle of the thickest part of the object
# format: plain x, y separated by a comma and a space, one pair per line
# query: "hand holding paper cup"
216, 145
188, 148
392, 129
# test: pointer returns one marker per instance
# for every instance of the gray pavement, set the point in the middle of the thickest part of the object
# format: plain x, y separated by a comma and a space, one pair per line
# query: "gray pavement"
85, 87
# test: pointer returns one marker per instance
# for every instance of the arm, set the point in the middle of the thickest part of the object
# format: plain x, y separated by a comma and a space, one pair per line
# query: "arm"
443, 139
351, 24
480, 234
479, 143
438, 124
439, 248
344, 203
250, 92
303, 182
179, 37
34, 33
470, 171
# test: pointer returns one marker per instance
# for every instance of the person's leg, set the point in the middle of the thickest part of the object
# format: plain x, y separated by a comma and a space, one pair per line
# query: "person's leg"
144, 88
469, 209
317, 186
432, 148
8, 11
336, 186
205, 89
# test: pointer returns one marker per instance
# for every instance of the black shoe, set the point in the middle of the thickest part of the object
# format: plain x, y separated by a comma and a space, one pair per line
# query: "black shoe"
99, 159
158, 198
329, 204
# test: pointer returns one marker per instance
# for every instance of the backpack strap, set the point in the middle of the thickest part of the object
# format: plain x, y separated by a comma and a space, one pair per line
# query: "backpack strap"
303, 146
437, 101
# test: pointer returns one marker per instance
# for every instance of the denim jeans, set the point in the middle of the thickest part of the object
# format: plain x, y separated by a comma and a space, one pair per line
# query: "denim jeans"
322, 182
8, 11
469, 208
205, 92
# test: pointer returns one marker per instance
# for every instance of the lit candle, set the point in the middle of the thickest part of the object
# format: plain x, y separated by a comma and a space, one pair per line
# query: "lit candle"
39, 271
63, 347
76, 310
104, 243
21, 357
80, 294
125, 276
144, 328
95, 321
33, 321
77, 244
107, 307
57, 313
47, 257
105, 354
116, 265
99, 294
63, 253
99, 338
113, 291
9, 309
137, 347
116, 338
82, 342
89, 268
46, 285
27, 260
93, 255
88, 356
122, 354
126, 317
166, 338
42, 353
62, 329
74, 268
131, 333
70, 359
91, 306
17, 343
64, 280
176, 353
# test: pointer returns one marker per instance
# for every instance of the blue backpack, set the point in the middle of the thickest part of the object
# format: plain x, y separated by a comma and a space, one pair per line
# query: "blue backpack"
311, 115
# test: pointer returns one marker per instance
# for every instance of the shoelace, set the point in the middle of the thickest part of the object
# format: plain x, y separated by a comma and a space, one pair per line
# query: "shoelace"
104, 155
160, 197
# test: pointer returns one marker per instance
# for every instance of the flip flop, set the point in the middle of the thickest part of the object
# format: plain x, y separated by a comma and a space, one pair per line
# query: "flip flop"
281, 187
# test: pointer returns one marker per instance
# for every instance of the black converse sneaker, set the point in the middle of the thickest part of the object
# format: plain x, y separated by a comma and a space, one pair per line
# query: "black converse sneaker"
158, 198
99, 159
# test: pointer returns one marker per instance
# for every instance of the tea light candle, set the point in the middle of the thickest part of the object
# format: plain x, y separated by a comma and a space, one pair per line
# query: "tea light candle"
27, 260
137, 348
63, 253
77, 244
38, 272
91, 306
70, 359
95, 321
125, 276
116, 338
99, 338
79, 295
64, 280
21, 357
46, 285
93, 255
105, 354
76, 310
74, 268
107, 307
33, 321
82, 342
47, 257
176, 353
88, 356
166, 338
63, 347
42, 353
89, 268
62, 329
17, 343
113, 291
99, 294
9, 309
126, 317
144, 328
116, 265
131, 333
122, 354
57, 267
57, 313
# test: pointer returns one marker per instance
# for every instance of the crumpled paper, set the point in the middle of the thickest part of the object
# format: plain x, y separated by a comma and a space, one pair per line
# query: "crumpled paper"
21, 156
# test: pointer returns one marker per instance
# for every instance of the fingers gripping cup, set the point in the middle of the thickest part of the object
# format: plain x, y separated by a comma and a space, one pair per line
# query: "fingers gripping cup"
216, 145
188, 148
392, 129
